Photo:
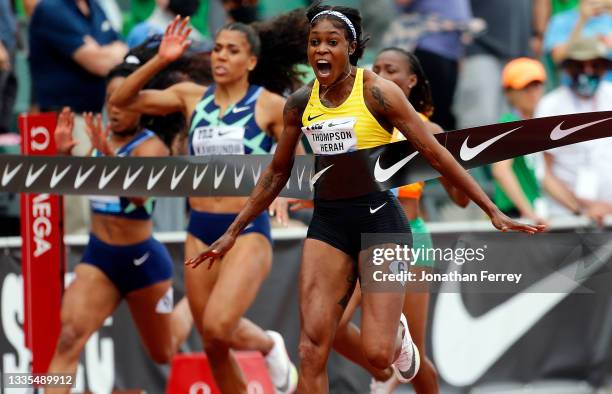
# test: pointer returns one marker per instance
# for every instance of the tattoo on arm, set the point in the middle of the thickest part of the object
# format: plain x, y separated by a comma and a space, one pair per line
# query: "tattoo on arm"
380, 99
416, 141
267, 188
297, 102
267, 180
278, 172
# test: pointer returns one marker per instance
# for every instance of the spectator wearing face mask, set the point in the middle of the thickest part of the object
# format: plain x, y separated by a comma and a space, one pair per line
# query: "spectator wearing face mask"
593, 18
577, 176
164, 13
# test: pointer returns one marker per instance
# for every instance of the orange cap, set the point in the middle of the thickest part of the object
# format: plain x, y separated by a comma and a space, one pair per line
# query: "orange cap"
520, 72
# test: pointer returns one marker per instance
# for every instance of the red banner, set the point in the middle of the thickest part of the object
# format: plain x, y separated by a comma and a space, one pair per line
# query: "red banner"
190, 373
43, 262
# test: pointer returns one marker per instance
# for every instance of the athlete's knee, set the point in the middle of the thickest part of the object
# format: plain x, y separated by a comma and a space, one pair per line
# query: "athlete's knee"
72, 338
312, 353
162, 354
218, 332
380, 355
342, 337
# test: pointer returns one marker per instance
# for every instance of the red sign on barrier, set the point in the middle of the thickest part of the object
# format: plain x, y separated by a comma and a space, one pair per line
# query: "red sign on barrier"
42, 250
191, 374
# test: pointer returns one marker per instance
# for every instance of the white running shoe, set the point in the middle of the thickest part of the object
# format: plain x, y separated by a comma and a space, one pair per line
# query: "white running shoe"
282, 372
386, 387
407, 364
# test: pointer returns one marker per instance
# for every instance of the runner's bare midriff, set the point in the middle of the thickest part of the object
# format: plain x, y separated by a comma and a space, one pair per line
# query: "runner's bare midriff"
120, 231
218, 204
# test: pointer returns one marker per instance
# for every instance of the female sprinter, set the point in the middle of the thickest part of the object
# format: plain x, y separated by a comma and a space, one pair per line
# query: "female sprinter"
234, 115
122, 259
328, 271
404, 69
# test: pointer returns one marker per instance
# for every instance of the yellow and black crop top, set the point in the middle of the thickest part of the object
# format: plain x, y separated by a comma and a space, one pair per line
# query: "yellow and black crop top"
345, 128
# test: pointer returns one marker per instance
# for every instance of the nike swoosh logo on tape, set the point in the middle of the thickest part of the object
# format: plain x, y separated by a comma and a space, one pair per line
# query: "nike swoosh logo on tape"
256, 175
176, 179
104, 179
311, 118
559, 133
141, 260
80, 178
318, 175
373, 211
456, 333
238, 177
10, 174
31, 177
239, 109
55, 177
466, 153
153, 179
129, 179
383, 174
300, 177
197, 178
219, 178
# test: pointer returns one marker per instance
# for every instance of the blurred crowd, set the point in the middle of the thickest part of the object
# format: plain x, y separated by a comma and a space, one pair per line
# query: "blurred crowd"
486, 61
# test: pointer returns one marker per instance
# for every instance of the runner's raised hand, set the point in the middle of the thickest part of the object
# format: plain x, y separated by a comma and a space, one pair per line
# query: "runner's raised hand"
98, 134
175, 43
63, 132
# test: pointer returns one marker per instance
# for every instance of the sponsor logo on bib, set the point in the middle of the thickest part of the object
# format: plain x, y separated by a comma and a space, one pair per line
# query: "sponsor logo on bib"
218, 140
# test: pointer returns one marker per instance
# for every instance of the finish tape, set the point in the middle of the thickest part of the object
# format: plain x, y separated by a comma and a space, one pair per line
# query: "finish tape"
330, 177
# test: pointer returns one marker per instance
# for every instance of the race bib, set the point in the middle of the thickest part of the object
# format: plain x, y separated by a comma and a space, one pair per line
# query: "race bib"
218, 140
331, 137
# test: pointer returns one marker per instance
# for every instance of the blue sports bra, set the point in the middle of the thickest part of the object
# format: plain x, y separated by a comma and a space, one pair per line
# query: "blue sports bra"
121, 206
232, 133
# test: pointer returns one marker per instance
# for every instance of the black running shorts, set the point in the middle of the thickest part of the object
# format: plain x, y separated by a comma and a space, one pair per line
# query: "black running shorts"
341, 223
